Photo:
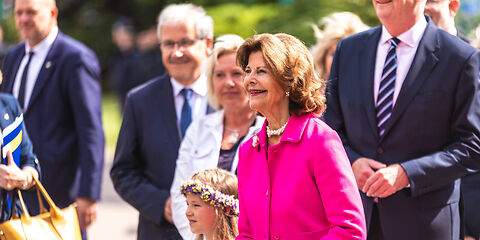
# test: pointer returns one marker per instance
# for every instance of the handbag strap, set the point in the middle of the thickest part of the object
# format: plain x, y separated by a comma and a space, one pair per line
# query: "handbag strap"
25, 215
40, 201
54, 210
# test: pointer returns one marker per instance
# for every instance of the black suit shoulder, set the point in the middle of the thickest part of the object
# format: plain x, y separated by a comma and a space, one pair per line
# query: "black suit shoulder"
71, 45
149, 89
454, 46
365, 36
76, 52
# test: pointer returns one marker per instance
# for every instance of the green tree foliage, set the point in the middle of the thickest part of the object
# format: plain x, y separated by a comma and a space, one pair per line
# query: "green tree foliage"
90, 21
241, 19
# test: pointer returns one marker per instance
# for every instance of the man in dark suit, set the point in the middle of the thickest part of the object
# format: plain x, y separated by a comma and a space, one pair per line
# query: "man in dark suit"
56, 80
443, 14
156, 117
404, 97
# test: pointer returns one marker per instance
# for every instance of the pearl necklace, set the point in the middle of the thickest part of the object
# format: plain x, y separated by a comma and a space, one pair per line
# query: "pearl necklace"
276, 132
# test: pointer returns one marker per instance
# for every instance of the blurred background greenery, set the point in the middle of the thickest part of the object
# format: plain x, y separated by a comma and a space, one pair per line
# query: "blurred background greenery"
90, 22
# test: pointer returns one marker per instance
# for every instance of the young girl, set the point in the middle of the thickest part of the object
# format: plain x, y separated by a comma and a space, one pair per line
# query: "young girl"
212, 199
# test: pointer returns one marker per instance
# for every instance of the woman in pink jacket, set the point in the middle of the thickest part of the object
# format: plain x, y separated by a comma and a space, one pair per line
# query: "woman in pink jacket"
295, 181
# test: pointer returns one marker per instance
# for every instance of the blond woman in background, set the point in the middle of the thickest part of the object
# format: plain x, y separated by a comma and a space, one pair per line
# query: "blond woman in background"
335, 26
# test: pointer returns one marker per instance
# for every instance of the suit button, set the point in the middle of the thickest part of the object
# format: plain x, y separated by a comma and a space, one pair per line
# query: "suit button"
266, 192
276, 236
379, 150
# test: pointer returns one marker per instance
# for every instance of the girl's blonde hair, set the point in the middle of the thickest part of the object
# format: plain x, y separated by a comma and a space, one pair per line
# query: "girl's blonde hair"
226, 225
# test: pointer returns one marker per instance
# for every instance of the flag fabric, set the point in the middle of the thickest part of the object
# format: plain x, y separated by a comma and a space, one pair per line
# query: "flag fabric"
12, 139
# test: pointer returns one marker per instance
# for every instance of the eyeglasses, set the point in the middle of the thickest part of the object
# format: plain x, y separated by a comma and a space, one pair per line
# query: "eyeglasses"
185, 43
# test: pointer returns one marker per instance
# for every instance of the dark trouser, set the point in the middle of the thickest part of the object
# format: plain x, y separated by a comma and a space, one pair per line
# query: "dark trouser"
375, 230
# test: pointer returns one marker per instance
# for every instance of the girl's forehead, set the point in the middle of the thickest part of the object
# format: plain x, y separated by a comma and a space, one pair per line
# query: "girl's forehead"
194, 198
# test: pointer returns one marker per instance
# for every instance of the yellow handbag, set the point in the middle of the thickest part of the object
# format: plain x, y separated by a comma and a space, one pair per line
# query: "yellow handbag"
55, 224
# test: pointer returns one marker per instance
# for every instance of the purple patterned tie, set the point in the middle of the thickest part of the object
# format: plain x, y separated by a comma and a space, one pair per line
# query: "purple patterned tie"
387, 87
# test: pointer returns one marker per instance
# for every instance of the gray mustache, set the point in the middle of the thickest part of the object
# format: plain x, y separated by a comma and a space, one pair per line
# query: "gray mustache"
179, 60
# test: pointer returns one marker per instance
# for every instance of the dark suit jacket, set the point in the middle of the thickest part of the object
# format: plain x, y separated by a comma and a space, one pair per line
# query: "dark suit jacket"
433, 131
9, 112
64, 119
147, 149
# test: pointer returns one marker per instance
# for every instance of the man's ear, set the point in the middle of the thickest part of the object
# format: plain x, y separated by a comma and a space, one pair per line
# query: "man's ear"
453, 7
209, 42
54, 12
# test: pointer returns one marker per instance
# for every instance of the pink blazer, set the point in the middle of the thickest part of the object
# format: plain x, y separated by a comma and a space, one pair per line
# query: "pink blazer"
301, 188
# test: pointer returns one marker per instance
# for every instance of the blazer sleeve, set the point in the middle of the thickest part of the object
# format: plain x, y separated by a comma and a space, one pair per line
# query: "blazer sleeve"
183, 171
244, 228
127, 171
84, 93
338, 190
333, 115
461, 157
27, 157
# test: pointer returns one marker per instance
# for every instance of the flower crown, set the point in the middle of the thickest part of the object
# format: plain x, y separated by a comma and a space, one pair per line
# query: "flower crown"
207, 194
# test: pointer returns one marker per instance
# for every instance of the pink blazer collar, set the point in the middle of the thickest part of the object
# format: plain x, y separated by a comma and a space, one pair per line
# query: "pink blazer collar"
293, 131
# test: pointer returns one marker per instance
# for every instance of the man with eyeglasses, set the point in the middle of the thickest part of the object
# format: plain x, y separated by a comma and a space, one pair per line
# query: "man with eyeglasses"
156, 116
443, 14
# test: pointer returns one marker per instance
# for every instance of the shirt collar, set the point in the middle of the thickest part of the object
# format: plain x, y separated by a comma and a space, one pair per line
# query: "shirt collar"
199, 86
45, 44
411, 37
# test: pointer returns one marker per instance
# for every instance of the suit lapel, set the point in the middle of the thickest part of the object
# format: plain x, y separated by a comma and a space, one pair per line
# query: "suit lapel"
368, 55
16, 65
166, 99
46, 70
423, 63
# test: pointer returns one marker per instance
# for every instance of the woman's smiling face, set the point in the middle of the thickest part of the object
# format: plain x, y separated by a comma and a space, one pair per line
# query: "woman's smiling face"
265, 92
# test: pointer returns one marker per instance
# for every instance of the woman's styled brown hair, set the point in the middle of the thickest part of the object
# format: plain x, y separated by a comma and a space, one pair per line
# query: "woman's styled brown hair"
292, 66
226, 225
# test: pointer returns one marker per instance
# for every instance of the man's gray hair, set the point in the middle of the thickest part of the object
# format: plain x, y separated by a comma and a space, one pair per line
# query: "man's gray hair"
177, 14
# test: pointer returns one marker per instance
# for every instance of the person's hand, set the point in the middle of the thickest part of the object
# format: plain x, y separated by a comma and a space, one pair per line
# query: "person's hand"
11, 176
167, 210
386, 181
87, 212
364, 168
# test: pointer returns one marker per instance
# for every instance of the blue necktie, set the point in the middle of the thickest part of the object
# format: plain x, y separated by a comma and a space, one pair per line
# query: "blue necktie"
387, 87
23, 83
186, 116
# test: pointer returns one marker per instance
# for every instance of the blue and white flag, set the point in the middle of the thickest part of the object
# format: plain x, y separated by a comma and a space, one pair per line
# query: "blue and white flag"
12, 139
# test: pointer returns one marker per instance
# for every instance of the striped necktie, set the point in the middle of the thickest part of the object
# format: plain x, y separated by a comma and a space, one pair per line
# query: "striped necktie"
387, 87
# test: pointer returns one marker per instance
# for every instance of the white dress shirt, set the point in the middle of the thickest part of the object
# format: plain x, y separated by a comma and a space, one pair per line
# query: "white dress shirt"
406, 50
198, 100
40, 54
